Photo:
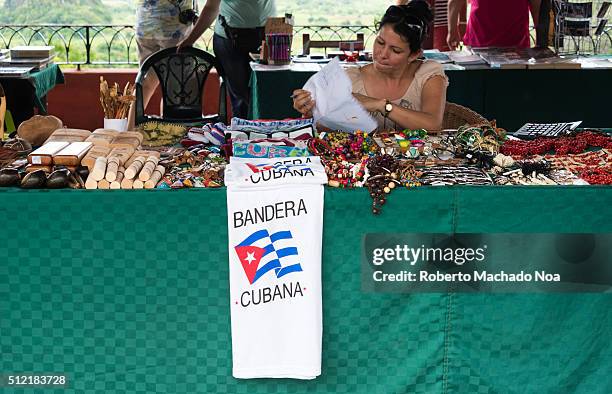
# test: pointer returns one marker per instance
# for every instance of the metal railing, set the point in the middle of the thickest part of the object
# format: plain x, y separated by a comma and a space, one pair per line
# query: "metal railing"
116, 44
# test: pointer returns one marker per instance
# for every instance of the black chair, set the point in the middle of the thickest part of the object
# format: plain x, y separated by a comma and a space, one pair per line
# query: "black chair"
181, 77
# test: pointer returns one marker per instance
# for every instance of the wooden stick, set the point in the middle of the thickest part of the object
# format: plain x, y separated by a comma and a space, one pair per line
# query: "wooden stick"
126, 183
155, 177
99, 170
116, 183
115, 102
111, 168
138, 184
148, 168
104, 184
91, 183
134, 168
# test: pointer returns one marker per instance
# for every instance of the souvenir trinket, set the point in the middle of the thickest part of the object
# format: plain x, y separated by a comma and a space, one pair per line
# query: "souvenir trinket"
479, 138
385, 173
34, 180
577, 143
9, 177
459, 175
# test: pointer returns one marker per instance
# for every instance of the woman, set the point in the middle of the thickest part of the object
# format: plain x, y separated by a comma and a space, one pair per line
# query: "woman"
238, 32
399, 90
493, 23
158, 26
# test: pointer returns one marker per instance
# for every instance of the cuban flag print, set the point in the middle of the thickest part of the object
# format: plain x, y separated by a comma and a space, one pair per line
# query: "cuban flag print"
251, 255
275, 226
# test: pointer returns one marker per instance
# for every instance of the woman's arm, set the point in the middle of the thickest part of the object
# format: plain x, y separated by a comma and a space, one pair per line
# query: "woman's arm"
207, 17
433, 99
454, 11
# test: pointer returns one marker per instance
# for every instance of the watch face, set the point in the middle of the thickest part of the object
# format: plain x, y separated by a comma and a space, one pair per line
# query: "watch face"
388, 107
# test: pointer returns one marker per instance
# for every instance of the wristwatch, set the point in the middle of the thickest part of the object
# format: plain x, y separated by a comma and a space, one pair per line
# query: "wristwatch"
388, 108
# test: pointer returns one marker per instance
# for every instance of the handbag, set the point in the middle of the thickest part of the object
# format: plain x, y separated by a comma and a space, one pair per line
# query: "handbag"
243, 39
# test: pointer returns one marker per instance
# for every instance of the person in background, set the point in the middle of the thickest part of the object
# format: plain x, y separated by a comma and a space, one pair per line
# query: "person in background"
238, 31
399, 90
493, 23
440, 22
159, 25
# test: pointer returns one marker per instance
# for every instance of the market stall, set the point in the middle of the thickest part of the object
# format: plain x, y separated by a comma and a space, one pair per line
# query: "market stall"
128, 290
538, 95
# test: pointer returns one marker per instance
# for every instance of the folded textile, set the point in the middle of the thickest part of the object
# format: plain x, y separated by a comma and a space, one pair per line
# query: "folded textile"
208, 134
263, 150
280, 142
304, 132
246, 172
275, 222
240, 124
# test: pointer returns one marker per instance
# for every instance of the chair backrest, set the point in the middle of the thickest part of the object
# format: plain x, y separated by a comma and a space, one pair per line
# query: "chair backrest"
579, 10
307, 43
456, 115
181, 77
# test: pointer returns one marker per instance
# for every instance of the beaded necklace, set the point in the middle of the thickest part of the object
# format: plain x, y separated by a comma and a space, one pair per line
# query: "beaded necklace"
385, 174
561, 145
344, 156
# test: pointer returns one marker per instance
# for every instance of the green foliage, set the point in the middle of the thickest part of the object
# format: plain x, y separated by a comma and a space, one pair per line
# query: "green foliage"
324, 12
30, 12
123, 12
334, 12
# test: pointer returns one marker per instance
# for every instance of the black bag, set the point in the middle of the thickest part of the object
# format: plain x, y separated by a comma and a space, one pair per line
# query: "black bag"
245, 40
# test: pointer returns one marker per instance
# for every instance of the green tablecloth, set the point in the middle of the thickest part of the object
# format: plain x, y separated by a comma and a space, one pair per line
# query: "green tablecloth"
43, 82
127, 292
25, 94
512, 97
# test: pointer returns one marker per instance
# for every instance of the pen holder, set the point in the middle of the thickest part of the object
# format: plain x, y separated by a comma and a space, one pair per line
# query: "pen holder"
279, 48
115, 124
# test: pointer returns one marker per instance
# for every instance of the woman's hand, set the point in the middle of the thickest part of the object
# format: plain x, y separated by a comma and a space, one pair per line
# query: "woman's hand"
187, 42
303, 102
371, 104
453, 39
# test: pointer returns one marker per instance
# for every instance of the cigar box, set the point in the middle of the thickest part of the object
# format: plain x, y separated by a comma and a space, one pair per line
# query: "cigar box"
93, 154
112, 132
69, 135
44, 154
127, 138
102, 137
72, 154
123, 153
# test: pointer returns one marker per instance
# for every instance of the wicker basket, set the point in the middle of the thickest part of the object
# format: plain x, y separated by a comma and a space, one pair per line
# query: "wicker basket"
456, 115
